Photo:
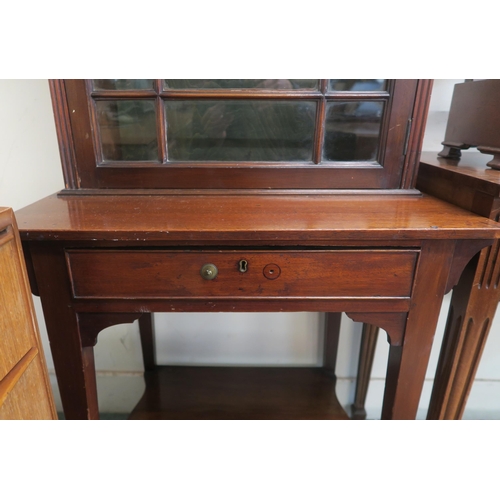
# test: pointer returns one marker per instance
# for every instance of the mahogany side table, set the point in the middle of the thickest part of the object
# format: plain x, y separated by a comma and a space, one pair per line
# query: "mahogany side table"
469, 184
98, 260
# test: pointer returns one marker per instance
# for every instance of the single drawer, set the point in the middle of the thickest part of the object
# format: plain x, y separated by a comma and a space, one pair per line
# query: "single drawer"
161, 274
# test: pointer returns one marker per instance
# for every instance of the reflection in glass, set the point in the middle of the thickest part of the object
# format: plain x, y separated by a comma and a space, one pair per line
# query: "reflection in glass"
352, 130
356, 85
250, 130
123, 84
241, 84
127, 130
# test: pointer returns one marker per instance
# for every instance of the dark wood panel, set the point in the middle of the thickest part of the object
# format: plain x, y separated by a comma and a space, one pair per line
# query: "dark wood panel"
326, 176
465, 182
176, 274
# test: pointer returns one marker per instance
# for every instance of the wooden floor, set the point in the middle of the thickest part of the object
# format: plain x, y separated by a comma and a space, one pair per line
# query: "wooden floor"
221, 393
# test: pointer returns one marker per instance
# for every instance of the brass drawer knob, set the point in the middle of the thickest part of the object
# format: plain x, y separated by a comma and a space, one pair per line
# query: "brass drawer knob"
209, 271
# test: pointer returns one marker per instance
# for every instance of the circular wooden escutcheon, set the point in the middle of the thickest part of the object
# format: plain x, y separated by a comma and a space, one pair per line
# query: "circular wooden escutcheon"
272, 271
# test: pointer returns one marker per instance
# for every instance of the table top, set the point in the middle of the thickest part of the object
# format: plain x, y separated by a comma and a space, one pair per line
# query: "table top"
270, 218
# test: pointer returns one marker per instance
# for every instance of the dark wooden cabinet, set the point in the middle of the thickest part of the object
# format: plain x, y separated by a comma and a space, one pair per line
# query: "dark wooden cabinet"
243, 195
334, 134
474, 121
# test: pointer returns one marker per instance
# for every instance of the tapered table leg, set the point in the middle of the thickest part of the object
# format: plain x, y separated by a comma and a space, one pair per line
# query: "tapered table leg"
472, 309
369, 337
146, 331
79, 390
331, 341
409, 355
411, 334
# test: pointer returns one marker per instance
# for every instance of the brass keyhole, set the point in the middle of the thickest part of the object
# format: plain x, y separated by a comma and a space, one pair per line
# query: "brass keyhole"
243, 266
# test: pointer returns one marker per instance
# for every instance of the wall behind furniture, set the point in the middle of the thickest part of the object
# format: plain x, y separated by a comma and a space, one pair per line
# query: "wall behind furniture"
30, 169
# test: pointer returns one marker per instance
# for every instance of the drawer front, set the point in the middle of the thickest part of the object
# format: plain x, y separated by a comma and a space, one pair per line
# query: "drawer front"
149, 274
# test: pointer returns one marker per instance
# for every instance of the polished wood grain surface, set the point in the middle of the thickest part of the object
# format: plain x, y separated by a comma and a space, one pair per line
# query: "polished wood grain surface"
271, 219
469, 184
25, 391
466, 183
176, 274
471, 165
443, 236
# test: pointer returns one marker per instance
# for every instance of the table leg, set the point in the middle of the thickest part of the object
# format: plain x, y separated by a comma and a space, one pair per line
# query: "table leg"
367, 352
369, 338
472, 309
408, 358
73, 362
146, 331
410, 334
331, 341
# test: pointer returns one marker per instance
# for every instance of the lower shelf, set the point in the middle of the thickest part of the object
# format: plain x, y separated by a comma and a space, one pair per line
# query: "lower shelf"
221, 393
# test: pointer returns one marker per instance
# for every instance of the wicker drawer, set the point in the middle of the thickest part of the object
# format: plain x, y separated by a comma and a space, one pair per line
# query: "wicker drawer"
129, 274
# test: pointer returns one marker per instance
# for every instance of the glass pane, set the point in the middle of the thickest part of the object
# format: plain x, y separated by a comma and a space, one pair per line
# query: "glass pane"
123, 84
250, 130
241, 84
127, 130
352, 130
356, 85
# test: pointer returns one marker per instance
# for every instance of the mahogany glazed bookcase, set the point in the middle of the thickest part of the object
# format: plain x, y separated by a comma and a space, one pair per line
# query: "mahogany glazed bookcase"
243, 195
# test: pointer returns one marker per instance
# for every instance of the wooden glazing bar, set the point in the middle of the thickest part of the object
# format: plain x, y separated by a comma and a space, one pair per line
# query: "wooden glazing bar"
236, 94
269, 94
319, 135
161, 130
240, 94
95, 133
242, 164
123, 94
364, 96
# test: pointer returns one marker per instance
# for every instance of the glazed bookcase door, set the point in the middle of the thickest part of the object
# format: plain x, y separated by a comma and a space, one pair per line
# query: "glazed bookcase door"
280, 134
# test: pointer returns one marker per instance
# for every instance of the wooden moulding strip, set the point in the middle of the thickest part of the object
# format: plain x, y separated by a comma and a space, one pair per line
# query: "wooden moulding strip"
10, 380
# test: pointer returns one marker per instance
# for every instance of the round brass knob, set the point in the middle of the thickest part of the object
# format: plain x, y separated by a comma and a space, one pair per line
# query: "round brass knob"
209, 271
